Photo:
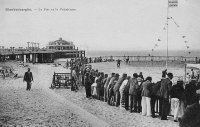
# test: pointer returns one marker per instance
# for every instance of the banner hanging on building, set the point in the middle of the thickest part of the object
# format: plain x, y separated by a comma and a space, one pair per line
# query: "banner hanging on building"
173, 3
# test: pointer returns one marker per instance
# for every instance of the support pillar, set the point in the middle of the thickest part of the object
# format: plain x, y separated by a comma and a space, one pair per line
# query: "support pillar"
42, 58
20, 57
24, 58
36, 58
31, 57
51, 57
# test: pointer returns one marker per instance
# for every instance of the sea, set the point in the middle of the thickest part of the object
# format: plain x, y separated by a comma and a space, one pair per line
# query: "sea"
188, 53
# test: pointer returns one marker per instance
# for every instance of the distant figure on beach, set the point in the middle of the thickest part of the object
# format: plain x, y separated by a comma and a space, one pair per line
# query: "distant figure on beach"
192, 74
28, 77
187, 78
141, 76
127, 60
3, 73
118, 63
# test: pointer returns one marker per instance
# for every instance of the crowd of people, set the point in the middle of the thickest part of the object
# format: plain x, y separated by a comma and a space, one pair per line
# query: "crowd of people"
139, 95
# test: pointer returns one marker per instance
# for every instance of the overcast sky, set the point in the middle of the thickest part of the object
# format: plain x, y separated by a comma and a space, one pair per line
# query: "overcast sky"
101, 24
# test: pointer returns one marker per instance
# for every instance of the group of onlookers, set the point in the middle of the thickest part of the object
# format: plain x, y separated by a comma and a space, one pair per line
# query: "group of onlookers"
136, 94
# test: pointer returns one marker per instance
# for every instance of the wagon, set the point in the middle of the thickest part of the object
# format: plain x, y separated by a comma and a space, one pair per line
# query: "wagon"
61, 80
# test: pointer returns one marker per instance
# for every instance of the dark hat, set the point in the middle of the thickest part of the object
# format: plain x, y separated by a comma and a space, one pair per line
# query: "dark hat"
170, 75
135, 75
116, 75
124, 75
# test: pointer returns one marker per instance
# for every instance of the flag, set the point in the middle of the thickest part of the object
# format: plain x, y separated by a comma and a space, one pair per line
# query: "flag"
172, 3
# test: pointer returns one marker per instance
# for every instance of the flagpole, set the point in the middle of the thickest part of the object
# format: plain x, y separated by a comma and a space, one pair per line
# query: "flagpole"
167, 33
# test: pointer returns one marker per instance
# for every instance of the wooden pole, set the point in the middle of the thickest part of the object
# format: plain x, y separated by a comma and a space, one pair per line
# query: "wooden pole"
167, 32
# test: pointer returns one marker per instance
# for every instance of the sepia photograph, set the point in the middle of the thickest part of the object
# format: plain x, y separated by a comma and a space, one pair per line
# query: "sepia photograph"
99, 63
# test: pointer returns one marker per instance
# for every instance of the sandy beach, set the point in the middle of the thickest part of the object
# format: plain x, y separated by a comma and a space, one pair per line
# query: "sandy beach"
61, 107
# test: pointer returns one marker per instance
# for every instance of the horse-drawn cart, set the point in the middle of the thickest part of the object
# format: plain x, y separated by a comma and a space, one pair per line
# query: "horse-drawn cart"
61, 80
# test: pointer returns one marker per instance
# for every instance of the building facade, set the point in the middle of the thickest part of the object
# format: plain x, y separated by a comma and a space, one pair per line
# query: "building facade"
65, 49
61, 45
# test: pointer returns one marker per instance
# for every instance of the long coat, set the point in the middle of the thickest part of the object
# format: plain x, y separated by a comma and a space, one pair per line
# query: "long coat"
191, 117
146, 89
190, 93
28, 77
107, 82
165, 88
133, 86
118, 84
87, 82
177, 91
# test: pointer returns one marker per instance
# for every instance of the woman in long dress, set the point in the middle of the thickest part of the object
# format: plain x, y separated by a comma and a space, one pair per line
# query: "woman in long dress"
177, 106
94, 86
146, 97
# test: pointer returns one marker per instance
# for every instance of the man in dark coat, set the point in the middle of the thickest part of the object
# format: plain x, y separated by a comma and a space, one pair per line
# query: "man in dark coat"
28, 77
190, 93
154, 96
191, 117
165, 89
87, 84
133, 90
99, 84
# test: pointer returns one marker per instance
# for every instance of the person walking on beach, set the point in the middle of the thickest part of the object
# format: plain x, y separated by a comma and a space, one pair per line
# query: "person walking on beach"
127, 60
118, 63
28, 77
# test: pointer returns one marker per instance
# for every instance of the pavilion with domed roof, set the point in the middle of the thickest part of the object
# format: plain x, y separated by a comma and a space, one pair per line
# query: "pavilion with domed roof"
65, 49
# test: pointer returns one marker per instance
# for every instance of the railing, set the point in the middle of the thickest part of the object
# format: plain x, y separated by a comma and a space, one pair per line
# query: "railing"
145, 58
25, 51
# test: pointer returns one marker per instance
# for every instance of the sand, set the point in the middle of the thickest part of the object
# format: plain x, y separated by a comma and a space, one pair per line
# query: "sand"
61, 107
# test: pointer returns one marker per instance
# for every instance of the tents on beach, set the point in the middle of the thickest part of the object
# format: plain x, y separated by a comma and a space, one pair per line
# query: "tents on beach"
197, 66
